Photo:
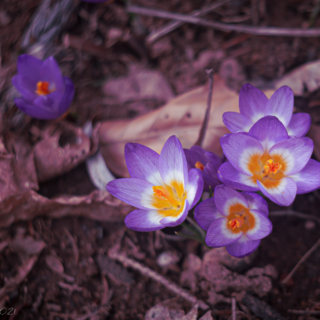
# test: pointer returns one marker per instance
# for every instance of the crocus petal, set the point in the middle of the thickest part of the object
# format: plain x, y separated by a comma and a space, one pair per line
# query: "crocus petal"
29, 67
171, 221
252, 102
225, 197
172, 164
262, 227
67, 96
200, 153
210, 177
308, 179
135, 192
299, 124
269, 131
243, 247
194, 187
236, 122
143, 163
283, 194
26, 87
256, 202
230, 176
144, 220
205, 213
281, 105
214, 159
51, 73
34, 111
219, 235
50, 102
239, 149
295, 152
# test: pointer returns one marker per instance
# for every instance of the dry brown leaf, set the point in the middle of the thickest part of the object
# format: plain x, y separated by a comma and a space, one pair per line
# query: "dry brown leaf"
63, 147
182, 116
314, 134
308, 75
98, 205
16, 166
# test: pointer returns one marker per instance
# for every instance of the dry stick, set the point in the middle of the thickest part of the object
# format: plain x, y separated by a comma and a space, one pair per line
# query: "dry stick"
294, 214
152, 37
233, 309
303, 259
157, 277
262, 31
207, 115
305, 312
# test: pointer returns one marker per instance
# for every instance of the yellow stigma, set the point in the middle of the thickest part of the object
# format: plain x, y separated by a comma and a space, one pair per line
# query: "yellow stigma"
271, 167
237, 222
42, 88
199, 165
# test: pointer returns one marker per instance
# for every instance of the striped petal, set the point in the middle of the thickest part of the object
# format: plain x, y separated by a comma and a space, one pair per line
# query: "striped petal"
135, 192
308, 179
171, 221
205, 213
218, 234
143, 163
299, 125
243, 247
230, 176
172, 163
225, 197
269, 131
256, 202
294, 152
239, 149
283, 194
236, 122
252, 102
144, 220
262, 226
280, 105
194, 187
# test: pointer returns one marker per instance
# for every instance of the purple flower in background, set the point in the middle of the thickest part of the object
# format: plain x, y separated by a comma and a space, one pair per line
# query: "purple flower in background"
161, 187
254, 105
45, 93
235, 220
267, 160
207, 163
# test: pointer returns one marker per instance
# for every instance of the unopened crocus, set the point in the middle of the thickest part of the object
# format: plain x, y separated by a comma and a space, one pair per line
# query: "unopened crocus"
207, 163
254, 105
45, 93
161, 187
237, 221
267, 160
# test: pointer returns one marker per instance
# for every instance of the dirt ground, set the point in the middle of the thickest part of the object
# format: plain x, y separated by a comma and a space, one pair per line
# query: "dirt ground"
98, 42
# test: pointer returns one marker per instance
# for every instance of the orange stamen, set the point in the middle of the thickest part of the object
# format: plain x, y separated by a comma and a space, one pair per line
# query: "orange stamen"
42, 88
199, 165
271, 167
236, 223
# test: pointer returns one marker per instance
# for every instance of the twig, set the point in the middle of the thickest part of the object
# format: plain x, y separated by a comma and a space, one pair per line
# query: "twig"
305, 312
157, 277
155, 35
233, 308
207, 114
294, 214
262, 31
303, 259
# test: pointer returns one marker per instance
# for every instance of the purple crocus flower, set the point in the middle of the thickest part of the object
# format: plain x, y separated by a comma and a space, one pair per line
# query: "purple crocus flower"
207, 163
267, 160
254, 105
235, 220
161, 187
45, 93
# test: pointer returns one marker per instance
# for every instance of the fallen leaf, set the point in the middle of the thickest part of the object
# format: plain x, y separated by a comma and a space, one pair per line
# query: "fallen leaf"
54, 263
16, 166
314, 134
138, 85
306, 76
207, 316
98, 205
182, 116
62, 147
